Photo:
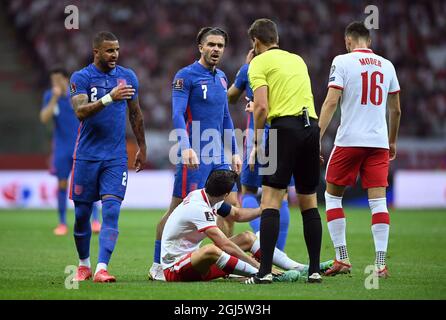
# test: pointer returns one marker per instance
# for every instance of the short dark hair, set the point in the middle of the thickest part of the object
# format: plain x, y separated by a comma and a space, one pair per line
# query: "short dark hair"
59, 69
220, 182
204, 32
357, 30
265, 30
103, 36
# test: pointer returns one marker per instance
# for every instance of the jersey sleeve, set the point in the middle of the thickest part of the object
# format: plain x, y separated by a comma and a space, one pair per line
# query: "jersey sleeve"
394, 83
203, 218
46, 98
337, 76
256, 74
241, 79
181, 87
134, 83
78, 84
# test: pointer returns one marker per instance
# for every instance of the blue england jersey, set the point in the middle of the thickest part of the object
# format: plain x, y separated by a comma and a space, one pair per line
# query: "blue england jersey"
102, 136
65, 124
199, 95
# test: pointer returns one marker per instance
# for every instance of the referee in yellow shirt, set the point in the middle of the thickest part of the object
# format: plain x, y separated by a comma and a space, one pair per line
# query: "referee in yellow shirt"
283, 98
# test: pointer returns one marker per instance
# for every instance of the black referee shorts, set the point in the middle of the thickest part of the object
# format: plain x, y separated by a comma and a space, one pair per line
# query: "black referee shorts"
297, 154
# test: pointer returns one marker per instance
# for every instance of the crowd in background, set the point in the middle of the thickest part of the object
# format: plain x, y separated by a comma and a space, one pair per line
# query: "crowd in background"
158, 37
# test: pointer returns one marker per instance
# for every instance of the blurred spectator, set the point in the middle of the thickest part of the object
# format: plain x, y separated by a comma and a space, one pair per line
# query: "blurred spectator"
158, 37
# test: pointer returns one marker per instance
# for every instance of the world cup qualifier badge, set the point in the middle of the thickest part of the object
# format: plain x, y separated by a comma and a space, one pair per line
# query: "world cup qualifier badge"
72, 87
122, 82
178, 84
223, 83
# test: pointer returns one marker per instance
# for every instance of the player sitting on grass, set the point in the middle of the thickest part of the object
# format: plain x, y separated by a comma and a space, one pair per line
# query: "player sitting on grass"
195, 219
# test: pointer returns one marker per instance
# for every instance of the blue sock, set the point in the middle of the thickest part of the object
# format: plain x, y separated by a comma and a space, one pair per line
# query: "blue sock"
250, 201
95, 214
284, 223
62, 205
82, 228
157, 254
109, 231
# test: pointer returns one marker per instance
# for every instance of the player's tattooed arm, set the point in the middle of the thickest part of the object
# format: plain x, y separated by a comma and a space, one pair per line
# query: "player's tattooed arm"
83, 108
137, 123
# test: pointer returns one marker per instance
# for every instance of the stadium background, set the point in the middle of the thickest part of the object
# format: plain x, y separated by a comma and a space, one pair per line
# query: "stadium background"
157, 38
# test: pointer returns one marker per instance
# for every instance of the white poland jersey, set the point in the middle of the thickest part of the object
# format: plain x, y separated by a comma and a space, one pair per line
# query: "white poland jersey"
184, 230
365, 79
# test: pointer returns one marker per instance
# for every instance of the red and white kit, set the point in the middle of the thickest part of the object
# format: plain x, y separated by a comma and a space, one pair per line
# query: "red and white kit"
361, 144
183, 234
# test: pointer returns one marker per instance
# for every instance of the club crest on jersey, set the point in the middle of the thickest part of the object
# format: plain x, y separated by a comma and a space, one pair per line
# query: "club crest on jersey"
72, 87
178, 84
223, 82
209, 216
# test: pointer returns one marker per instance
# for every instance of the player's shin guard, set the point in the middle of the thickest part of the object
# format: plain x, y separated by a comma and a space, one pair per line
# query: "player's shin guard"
269, 230
109, 231
232, 265
82, 228
62, 205
250, 201
313, 237
336, 225
284, 223
380, 228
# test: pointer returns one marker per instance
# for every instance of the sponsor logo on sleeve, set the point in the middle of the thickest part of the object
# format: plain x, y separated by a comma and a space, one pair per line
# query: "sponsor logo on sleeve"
72, 87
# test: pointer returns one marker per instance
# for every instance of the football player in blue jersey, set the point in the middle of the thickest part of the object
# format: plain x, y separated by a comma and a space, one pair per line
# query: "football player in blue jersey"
56, 106
251, 180
101, 94
200, 107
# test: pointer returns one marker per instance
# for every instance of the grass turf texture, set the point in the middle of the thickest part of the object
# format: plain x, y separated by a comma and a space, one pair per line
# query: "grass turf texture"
33, 261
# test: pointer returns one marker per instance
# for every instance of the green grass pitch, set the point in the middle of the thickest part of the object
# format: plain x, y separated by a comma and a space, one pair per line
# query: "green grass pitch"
33, 261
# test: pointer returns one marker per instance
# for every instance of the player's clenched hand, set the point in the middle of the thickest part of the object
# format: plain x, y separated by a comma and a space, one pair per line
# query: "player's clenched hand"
249, 106
392, 151
122, 92
236, 163
140, 159
190, 158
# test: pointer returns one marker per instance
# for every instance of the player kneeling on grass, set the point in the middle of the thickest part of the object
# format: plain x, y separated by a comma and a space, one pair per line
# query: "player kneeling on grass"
195, 219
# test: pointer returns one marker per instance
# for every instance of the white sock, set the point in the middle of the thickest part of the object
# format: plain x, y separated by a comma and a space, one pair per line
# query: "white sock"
233, 265
336, 225
280, 258
85, 262
380, 223
100, 266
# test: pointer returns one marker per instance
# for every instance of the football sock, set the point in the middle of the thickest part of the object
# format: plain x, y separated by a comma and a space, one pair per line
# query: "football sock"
82, 228
233, 265
336, 225
269, 230
280, 258
157, 253
284, 223
62, 205
249, 200
380, 227
109, 231
95, 214
100, 266
85, 262
313, 237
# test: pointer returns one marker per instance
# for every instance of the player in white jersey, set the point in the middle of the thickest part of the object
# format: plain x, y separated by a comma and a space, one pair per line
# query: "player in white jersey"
364, 83
194, 219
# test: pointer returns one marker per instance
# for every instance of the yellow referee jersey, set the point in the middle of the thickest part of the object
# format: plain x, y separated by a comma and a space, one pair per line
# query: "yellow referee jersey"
289, 85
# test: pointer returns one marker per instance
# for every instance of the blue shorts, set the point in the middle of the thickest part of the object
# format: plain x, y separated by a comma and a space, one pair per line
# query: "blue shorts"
187, 180
91, 180
61, 165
